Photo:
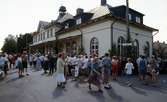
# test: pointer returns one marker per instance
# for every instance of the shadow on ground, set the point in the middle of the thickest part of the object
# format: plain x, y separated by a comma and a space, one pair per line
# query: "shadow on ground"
115, 96
58, 92
99, 96
14, 79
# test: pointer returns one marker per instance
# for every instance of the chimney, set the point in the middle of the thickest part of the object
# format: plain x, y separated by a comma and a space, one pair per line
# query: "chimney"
103, 2
79, 11
62, 11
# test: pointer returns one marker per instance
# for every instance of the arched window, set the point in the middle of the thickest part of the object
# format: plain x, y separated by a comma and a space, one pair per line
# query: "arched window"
94, 46
121, 48
147, 49
136, 48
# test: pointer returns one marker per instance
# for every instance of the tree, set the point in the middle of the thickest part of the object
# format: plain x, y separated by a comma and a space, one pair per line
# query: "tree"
23, 42
10, 44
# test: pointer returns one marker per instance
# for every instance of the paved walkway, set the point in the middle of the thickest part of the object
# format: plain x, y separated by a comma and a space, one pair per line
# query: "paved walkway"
42, 88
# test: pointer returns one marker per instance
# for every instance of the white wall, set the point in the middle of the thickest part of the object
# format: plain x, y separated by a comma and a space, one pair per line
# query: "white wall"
102, 32
141, 35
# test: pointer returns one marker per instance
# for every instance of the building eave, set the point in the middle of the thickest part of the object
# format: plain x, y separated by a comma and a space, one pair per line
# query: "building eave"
102, 18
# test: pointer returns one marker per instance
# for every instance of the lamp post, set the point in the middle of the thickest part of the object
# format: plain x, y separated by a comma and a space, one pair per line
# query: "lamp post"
127, 22
128, 48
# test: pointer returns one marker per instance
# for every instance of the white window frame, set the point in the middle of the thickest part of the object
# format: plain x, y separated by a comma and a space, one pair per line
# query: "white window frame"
67, 26
48, 34
51, 32
129, 16
78, 21
138, 20
94, 45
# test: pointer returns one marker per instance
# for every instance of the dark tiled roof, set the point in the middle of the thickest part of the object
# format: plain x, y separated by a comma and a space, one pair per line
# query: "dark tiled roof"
103, 18
123, 6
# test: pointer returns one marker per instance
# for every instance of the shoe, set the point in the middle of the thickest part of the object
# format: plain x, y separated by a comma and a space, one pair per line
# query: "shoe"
130, 84
63, 86
107, 87
58, 85
101, 91
90, 87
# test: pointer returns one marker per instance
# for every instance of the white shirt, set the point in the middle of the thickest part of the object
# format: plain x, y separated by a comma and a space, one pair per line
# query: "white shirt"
129, 67
73, 60
85, 63
138, 61
41, 58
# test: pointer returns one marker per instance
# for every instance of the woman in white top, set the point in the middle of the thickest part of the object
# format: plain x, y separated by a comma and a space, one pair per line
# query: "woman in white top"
129, 67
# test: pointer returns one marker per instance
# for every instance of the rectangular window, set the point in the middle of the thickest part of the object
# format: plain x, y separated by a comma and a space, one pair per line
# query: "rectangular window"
47, 33
79, 21
138, 20
43, 35
33, 39
39, 37
130, 16
67, 26
51, 32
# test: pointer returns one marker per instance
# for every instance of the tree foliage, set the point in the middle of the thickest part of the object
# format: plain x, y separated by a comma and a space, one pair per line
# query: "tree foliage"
23, 42
17, 44
10, 44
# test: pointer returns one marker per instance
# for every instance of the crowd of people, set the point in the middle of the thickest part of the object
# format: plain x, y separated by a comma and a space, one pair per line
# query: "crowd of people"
97, 70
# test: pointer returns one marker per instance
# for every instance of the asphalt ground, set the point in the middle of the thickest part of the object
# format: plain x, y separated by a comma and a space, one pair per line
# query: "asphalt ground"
43, 88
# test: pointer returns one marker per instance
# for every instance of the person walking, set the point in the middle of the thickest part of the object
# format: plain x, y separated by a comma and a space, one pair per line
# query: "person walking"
60, 77
95, 74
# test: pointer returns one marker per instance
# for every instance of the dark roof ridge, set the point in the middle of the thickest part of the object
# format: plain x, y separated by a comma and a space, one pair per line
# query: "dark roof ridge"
129, 8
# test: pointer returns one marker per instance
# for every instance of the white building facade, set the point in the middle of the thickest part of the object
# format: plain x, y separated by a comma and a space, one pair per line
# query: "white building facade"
98, 31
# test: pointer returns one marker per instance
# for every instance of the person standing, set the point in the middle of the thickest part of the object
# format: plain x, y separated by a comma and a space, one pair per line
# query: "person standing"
5, 64
42, 60
38, 63
138, 65
85, 65
51, 64
114, 68
60, 77
129, 67
19, 65
45, 66
106, 70
2, 63
24, 62
142, 68
34, 61
30, 60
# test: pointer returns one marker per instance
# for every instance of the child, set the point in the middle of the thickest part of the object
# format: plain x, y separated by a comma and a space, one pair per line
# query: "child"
148, 74
129, 67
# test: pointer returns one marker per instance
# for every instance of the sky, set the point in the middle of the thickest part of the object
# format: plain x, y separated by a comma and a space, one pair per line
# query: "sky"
23, 16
